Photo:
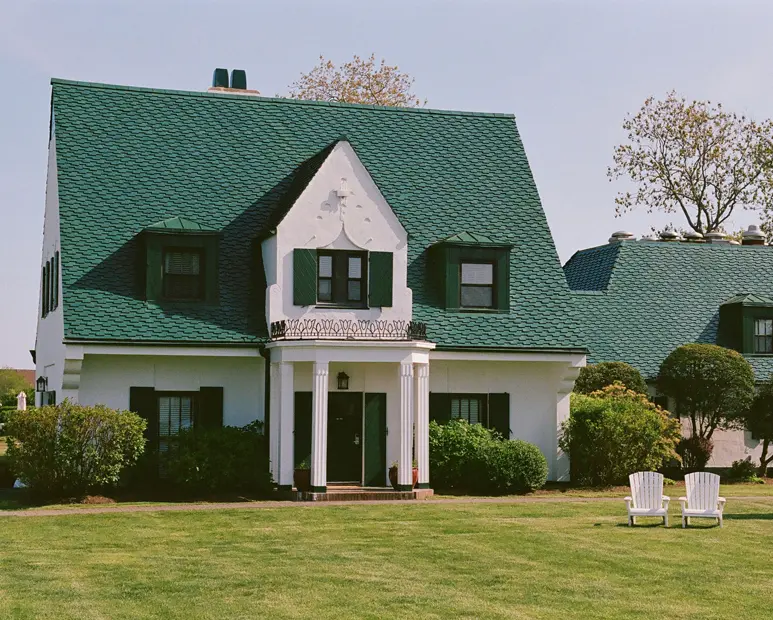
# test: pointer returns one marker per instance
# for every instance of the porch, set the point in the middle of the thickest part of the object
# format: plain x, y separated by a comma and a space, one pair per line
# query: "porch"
350, 432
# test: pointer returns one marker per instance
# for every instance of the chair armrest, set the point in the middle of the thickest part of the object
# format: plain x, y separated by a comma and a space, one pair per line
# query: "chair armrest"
721, 503
628, 501
666, 499
683, 501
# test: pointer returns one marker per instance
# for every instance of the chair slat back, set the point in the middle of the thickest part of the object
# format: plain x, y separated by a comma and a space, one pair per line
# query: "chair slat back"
702, 490
646, 489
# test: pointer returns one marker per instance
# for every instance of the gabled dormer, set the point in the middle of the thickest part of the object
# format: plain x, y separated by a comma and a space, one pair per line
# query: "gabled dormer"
474, 273
180, 262
335, 249
746, 324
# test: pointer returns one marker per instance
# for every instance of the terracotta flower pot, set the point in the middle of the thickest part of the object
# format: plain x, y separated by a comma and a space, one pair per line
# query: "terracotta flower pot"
393, 477
302, 479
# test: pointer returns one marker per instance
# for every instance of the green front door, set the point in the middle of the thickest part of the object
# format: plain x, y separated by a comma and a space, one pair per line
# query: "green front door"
344, 437
375, 440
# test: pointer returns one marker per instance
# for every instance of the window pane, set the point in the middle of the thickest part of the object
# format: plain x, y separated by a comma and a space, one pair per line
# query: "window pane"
174, 413
325, 266
181, 263
477, 273
182, 287
477, 296
325, 290
354, 290
355, 267
456, 408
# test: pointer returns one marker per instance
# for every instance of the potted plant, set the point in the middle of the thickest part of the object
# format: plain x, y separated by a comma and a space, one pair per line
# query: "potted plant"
302, 476
393, 474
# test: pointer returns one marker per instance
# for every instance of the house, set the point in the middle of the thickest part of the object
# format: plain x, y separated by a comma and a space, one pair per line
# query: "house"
641, 299
344, 273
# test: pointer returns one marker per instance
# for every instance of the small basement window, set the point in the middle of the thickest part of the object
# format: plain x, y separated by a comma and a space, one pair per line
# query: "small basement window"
763, 335
477, 285
183, 274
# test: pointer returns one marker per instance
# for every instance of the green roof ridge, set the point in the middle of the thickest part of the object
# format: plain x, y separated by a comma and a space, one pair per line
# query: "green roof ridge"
179, 224
260, 98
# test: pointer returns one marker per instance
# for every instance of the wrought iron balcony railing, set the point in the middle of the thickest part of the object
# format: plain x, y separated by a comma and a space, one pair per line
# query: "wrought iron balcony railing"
345, 329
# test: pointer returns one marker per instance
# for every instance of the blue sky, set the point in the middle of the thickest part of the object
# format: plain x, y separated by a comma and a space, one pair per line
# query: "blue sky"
569, 71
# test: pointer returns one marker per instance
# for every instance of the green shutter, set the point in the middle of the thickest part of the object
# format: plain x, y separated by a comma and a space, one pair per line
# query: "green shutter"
499, 413
375, 440
210, 411
502, 287
439, 407
56, 280
302, 439
304, 277
143, 402
452, 286
380, 276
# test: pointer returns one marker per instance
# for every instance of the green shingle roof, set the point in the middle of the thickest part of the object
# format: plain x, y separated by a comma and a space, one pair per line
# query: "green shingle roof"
468, 238
749, 299
136, 156
639, 300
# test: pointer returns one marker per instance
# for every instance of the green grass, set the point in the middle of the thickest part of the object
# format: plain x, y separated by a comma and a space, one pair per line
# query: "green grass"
427, 560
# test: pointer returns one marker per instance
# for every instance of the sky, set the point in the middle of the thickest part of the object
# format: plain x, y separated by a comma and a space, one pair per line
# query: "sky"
569, 70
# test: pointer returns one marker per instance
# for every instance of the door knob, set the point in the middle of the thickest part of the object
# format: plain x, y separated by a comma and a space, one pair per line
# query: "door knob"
356, 439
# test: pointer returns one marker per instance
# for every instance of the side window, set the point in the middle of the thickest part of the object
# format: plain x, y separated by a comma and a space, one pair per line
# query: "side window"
183, 277
175, 413
477, 285
468, 408
763, 335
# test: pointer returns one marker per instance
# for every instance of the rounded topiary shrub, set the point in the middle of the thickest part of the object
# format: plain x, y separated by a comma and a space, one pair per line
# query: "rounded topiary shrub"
596, 377
473, 459
68, 450
615, 432
514, 466
206, 461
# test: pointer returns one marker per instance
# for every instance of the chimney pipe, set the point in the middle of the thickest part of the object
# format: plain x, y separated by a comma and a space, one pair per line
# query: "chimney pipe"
621, 235
717, 238
753, 236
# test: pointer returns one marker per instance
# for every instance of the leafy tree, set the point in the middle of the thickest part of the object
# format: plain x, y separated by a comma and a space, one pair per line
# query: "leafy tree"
357, 81
696, 159
711, 385
598, 376
614, 432
11, 383
759, 420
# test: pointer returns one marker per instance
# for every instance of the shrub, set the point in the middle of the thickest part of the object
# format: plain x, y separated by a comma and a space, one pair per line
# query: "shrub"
471, 458
596, 377
69, 449
759, 420
743, 471
712, 386
614, 432
219, 460
695, 452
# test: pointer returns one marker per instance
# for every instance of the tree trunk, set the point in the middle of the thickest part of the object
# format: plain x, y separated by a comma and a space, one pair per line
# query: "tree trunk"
763, 470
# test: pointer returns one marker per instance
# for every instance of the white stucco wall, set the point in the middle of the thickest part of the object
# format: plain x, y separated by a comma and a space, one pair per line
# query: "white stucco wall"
106, 379
320, 219
535, 411
49, 350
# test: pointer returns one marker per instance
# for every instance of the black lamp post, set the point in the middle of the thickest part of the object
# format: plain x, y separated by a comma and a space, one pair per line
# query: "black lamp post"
343, 381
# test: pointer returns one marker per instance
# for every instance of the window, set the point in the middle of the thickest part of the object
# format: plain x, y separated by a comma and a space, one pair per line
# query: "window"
477, 285
468, 408
175, 413
763, 335
341, 278
183, 274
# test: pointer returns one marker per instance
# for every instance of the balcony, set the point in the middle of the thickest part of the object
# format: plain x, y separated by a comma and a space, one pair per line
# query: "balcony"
344, 329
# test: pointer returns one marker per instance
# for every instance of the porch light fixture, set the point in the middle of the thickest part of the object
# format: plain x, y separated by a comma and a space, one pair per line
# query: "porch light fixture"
343, 381
41, 384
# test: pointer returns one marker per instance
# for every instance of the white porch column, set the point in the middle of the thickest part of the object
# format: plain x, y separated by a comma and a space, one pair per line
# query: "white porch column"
286, 425
559, 471
275, 421
319, 428
422, 424
405, 462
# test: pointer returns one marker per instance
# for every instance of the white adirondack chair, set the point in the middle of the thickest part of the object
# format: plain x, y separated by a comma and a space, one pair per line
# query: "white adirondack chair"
703, 498
647, 499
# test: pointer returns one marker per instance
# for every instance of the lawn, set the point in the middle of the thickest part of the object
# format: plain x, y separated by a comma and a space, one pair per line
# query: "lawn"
426, 560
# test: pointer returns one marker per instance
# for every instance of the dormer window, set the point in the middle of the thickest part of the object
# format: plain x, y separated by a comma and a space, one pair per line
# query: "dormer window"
183, 277
474, 273
763, 335
477, 285
341, 278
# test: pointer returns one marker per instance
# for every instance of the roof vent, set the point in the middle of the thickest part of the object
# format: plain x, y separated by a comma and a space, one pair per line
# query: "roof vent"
621, 235
716, 238
753, 236
239, 79
693, 236
220, 78
669, 235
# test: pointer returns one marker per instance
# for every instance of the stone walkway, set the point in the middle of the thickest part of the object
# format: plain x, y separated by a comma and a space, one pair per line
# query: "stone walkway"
55, 512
